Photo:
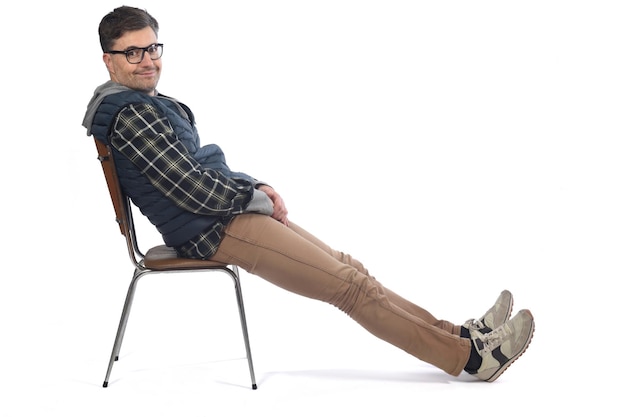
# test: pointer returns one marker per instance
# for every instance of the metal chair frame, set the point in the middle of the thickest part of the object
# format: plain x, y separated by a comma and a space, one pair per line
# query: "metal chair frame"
159, 259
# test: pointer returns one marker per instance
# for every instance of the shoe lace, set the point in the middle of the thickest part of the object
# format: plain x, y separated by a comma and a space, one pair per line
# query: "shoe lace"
475, 324
495, 338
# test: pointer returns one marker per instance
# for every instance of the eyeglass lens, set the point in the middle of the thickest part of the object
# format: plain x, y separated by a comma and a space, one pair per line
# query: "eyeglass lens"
136, 55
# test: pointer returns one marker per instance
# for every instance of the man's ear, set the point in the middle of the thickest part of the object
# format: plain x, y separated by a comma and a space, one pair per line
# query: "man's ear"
108, 61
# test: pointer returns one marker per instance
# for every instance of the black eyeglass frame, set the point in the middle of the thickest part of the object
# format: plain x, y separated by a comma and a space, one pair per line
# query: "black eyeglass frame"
159, 47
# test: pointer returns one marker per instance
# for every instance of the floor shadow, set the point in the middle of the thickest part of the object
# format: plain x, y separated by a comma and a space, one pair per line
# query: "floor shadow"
426, 376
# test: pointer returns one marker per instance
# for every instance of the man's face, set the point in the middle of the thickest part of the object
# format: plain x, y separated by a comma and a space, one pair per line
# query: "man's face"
143, 76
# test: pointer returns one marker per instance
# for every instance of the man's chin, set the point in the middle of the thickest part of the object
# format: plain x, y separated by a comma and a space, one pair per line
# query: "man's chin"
149, 89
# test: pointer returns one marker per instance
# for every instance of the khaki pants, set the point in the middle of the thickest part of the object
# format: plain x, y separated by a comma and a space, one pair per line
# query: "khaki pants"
293, 259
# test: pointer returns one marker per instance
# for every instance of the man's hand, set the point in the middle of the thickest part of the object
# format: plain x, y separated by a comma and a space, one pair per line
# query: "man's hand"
280, 210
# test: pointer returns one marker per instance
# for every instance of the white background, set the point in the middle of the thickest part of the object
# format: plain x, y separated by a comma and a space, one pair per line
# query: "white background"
456, 148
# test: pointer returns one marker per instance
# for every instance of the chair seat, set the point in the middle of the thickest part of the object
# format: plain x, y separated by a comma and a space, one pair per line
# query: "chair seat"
164, 258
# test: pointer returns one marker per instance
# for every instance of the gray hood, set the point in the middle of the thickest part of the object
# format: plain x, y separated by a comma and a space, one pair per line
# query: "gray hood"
99, 94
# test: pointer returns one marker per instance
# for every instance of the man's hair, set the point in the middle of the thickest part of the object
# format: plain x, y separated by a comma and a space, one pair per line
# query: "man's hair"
121, 20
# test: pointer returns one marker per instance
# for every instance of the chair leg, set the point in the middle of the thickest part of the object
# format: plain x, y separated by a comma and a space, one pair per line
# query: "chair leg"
234, 273
121, 329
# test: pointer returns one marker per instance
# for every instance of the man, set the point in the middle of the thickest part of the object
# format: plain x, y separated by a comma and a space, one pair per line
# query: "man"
206, 211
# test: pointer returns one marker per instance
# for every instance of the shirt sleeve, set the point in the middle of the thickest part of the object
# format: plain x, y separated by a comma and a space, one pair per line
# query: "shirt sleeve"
144, 136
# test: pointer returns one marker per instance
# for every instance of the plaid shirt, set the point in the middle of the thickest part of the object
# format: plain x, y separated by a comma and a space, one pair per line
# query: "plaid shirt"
144, 136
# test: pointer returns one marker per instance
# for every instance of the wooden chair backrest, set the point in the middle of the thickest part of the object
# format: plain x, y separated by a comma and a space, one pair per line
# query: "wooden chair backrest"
120, 203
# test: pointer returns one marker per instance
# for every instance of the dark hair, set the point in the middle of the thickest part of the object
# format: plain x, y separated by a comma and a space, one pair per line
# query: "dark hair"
121, 20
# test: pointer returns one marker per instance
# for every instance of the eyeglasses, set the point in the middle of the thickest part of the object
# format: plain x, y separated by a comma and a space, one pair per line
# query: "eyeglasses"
136, 55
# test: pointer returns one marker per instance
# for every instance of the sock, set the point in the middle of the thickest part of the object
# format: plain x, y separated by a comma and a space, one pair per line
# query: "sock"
475, 360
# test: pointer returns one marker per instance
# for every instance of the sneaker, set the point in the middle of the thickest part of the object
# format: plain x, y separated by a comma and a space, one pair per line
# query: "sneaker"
495, 316
502, 346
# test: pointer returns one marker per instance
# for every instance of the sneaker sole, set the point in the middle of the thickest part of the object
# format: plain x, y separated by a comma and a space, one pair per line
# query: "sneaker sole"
514, 358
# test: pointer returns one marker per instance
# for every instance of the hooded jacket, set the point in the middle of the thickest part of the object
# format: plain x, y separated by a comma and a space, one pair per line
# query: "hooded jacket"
176, 225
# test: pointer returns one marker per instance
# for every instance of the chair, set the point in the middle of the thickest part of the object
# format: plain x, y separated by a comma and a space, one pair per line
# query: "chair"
159, 259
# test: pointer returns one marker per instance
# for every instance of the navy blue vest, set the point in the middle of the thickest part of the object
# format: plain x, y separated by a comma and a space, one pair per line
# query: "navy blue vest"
176, 225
